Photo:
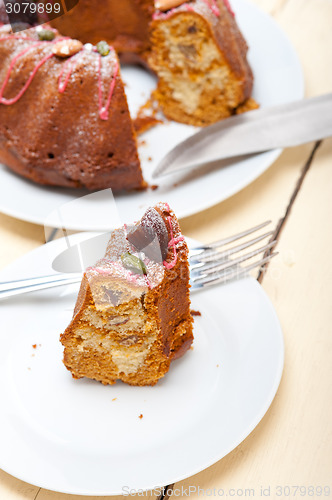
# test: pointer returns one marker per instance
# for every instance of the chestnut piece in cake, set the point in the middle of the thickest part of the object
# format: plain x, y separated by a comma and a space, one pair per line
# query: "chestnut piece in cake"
132, 316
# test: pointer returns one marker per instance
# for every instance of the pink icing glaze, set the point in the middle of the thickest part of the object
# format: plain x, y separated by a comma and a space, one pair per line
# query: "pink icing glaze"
67, 70
172, 242
131, 277
127, 274
18, 37
103, 110
26, 85
63, 85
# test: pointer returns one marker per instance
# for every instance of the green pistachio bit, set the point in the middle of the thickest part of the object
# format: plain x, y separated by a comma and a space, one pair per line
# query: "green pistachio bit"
46, 35
133, 263
103, 48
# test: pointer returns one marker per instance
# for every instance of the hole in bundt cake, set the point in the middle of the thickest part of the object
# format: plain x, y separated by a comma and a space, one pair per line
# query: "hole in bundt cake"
50, 155
110, 155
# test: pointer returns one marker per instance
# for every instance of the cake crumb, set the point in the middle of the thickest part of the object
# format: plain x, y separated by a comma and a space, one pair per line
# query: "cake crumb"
114, 399
141, 416
248, 105
191, 347
149, 159
34, 346
154, 187
147, 116
144, 123
29, 368
217, 366
195, 313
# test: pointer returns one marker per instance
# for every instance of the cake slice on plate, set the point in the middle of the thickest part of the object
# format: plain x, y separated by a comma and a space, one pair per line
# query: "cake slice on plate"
132, 316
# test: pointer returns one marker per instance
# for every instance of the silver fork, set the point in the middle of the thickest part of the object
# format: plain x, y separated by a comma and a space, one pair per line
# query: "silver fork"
209, 265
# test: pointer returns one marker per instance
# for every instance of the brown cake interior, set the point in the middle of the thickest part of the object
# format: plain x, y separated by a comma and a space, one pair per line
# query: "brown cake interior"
201, 64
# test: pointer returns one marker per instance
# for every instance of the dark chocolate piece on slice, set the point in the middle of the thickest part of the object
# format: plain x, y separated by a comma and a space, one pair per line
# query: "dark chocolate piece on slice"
150, 236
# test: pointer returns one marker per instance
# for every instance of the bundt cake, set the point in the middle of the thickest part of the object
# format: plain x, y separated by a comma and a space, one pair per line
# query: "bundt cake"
64, 118
132, 316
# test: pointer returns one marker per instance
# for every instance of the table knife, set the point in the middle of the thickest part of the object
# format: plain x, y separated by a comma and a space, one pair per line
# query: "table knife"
253, 132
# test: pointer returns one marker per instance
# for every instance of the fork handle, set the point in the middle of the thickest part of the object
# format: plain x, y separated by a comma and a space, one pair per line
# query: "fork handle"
9, 289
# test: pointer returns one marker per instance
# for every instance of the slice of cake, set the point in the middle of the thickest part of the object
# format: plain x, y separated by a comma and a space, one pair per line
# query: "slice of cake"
199, 55
132, 316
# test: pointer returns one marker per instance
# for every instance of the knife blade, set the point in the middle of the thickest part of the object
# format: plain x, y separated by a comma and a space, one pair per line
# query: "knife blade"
256, 131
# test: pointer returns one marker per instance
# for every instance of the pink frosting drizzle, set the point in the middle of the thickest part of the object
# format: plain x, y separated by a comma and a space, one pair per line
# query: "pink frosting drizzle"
172, 243
64, 76
103, 110
26, 85
63, 85
127, 274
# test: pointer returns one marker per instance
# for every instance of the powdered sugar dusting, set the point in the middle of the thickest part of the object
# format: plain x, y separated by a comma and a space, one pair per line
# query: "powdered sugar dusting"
107, 73
112, 266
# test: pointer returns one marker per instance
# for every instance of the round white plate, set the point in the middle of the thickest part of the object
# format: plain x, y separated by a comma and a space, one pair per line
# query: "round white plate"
278, 79
84, 438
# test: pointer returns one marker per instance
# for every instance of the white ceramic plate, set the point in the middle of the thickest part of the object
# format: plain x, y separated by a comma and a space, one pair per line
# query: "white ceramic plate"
71, 436
278, 79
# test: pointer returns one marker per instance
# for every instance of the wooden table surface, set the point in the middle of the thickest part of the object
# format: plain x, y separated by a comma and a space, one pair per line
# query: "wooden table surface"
292, 445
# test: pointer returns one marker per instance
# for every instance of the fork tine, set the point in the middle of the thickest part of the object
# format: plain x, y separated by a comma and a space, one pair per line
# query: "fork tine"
223, 277
222, 266
211, 255
230, 239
